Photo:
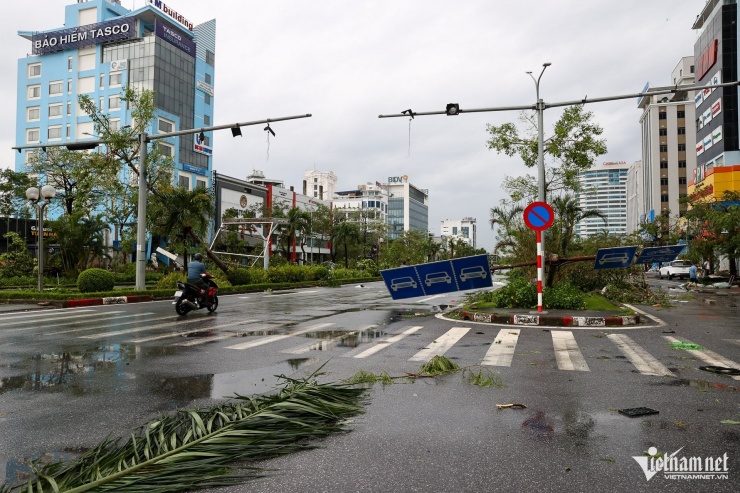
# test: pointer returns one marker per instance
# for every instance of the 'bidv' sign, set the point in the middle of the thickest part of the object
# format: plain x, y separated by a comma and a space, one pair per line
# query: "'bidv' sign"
78, 37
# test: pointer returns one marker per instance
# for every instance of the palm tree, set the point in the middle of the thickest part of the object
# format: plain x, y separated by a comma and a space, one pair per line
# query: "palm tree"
505, 217
178, 212
297, 227
344, 232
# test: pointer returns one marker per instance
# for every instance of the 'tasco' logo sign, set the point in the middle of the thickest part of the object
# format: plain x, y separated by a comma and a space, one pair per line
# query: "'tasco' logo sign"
398, 179
79, 37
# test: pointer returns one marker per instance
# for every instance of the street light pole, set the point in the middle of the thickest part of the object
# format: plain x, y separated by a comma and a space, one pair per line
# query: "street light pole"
540, 135
40, 198
141, 216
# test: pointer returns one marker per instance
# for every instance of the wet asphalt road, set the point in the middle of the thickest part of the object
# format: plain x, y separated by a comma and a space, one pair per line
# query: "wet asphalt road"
71, 377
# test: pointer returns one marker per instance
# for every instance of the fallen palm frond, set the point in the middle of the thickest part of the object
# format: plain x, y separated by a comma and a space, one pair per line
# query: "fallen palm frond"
198, 448
439, 365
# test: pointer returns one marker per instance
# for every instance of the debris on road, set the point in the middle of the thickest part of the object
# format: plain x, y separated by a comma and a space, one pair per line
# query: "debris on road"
637, 411
686, 346
507, 406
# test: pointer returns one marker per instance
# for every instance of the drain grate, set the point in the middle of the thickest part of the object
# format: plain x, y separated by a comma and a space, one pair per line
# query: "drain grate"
637, 411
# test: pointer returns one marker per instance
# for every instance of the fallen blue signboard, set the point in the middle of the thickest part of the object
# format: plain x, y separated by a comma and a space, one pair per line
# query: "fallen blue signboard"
659, 254
615, 258
438, 277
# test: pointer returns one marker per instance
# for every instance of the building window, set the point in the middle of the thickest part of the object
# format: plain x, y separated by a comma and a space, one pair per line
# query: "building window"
69, 86
31, 157
102, 81
680, 114
32, 135
85, 85
69, 64
55, 110
682, 164
69, 130
664, 181
183, 182
207, 98
664, 198
662, 115
210, 58
207, 120
208, 78
664, 165
200, 184
55, 88
34, 92
115, 79
681, 147
165, 149
663, 148
33, 113
34, 70
114, 103
681, 130
682, 180
100, 103
663, 131
114, 125
55, 132
165, 126
69, 108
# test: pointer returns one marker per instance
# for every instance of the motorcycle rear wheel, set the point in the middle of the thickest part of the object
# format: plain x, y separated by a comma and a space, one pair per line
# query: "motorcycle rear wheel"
212, 307
181, 308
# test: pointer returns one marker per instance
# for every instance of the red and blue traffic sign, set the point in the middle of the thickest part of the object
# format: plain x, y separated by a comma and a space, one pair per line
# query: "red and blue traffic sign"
538, 216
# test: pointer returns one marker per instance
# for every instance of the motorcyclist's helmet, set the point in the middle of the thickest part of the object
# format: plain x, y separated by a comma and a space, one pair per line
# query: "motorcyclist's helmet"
198, 257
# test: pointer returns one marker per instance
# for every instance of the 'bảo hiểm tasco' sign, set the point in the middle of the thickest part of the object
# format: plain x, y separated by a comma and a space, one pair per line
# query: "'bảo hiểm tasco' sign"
81, 36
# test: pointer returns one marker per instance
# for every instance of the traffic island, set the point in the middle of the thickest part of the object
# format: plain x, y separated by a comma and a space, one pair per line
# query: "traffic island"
529, 319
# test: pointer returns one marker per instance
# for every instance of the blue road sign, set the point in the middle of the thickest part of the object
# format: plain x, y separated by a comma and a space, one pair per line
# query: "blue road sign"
472, 272
614, 258
659, 254
438, 277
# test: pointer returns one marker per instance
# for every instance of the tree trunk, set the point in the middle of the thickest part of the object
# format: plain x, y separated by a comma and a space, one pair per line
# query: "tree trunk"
209, 253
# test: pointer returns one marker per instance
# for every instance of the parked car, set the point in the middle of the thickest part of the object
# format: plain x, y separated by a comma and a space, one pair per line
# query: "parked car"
677, 268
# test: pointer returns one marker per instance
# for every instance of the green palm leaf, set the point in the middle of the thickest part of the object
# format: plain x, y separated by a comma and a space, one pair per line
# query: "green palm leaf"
198, 448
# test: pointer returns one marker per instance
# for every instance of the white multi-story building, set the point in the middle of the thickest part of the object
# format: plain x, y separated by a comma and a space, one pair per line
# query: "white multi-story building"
408, 207
634, 197
370, 201
668, 145
604, 188
464, 229
319, 184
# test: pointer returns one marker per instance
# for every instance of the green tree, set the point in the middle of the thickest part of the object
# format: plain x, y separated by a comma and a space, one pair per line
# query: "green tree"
12, 194
80, 239
573, 147
344, 233
180, 213
17, 261
295, 230
718, 221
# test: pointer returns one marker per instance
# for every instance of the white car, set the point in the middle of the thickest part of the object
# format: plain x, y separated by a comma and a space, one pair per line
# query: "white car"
677, 268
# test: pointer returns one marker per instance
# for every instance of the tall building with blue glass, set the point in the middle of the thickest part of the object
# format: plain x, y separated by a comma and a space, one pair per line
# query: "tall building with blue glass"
103, 47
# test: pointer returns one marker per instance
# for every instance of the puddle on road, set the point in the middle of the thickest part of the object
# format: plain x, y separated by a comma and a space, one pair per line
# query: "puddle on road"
332, 339
182, 390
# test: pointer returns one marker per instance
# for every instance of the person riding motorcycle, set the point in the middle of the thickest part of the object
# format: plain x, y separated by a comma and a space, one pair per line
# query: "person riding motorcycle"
195, 268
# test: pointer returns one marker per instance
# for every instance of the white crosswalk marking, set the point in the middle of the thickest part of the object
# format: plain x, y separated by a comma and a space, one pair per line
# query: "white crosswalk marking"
98, 327
567, 354
380, 345
103, 335
179, 333
709, 357
641, 359
325, 344
44, 314
205, 340
67, 321
275, 338
440, 345
734, 341
501, 352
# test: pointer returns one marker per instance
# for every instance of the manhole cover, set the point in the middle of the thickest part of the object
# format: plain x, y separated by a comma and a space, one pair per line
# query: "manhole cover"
637, 411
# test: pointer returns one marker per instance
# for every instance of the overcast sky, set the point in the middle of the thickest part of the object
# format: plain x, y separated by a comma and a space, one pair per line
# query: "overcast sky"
346, 62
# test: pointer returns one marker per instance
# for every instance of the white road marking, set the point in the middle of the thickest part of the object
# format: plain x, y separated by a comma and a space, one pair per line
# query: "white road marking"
275, 338
734, 341
431, 298
49, 322
380, 345
204, 340
501, 351
43, 314
102, 335
567, 354
98, 327
709, 357
440, 345
288, 294
167, 335
641, 359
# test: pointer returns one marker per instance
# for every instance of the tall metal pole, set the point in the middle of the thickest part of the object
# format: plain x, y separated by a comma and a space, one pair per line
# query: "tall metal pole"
40, 226
141, 217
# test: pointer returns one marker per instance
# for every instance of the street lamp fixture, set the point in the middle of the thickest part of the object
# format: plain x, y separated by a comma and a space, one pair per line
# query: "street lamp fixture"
40, 198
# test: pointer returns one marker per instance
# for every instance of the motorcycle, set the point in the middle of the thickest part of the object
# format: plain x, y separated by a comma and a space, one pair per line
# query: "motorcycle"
190, 297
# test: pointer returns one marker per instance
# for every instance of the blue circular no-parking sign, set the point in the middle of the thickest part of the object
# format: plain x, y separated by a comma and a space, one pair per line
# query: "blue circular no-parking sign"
538, 216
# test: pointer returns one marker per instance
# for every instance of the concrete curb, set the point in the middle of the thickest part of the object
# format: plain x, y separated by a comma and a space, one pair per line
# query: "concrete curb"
550, 320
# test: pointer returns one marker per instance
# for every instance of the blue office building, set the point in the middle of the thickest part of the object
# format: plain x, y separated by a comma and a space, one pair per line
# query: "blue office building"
103, 47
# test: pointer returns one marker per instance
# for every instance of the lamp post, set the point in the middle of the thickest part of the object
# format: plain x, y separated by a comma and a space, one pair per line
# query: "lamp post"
540, 135
40, 198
